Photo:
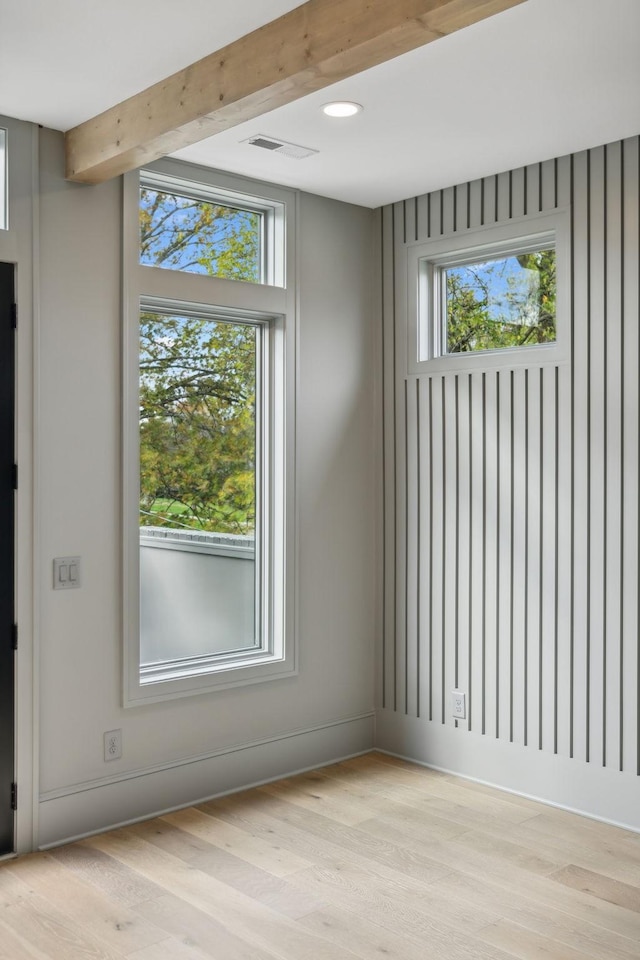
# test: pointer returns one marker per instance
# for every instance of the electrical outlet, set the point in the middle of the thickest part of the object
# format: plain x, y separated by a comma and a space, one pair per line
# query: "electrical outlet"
458, 704
113, 744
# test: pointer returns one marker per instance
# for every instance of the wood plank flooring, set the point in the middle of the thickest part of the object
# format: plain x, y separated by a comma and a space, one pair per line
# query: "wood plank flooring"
365, 859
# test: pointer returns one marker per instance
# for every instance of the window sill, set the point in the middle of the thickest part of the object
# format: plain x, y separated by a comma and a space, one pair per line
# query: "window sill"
175, 685
510, 358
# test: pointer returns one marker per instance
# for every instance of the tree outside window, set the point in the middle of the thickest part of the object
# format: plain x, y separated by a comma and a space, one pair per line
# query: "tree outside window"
501, 303
198, 375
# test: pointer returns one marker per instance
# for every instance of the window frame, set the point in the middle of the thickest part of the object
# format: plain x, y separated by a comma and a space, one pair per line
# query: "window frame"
426, 264
4, 178
271, 307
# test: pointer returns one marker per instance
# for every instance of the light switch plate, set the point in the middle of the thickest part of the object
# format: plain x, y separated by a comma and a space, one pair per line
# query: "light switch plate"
66, 573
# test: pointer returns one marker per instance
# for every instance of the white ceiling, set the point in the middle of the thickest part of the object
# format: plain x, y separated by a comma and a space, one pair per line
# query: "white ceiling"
543, 79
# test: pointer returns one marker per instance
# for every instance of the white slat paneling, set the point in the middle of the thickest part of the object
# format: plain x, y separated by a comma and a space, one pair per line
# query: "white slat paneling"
580, 446
438, 511
425, 555
464, 559
389, 491
423, 214
477, 549
629, 681
518, 192
563, 520
548, 185
412, 555
435, 219
504, 573
401, 515
532, 199
512, 548
503, 198
520, 553
547, 680
614, 427
597, 458
476, 197
533, 587
450, 597
491, 533
562, 182
489, 200
448, 211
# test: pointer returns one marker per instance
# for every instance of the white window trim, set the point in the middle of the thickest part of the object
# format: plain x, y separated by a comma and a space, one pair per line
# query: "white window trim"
4, 178
270, 304
424, 263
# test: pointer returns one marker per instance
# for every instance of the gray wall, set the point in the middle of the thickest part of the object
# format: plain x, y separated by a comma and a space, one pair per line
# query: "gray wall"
511, 512
177, 751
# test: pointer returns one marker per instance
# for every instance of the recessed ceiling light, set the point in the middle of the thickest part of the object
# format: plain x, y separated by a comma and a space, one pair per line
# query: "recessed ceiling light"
342, 108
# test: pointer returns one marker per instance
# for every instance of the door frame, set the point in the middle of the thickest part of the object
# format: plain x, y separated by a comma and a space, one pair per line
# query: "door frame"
8, 637
19, 245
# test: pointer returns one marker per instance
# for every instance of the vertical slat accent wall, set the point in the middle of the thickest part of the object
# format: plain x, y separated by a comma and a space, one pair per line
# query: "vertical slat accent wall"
511, 524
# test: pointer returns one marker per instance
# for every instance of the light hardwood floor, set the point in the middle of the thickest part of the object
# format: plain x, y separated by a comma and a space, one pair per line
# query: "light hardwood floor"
369, 858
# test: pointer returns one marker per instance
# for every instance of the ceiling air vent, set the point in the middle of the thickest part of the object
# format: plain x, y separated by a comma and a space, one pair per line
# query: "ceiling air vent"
291, 150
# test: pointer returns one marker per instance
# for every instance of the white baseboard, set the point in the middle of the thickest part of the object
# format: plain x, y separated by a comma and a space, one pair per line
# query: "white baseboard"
574, 785
86, 808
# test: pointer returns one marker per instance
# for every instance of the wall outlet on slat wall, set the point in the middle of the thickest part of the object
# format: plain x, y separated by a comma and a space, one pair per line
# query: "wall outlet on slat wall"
458, 704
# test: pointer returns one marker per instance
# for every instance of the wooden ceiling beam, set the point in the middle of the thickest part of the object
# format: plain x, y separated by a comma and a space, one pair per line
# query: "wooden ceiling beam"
311, 47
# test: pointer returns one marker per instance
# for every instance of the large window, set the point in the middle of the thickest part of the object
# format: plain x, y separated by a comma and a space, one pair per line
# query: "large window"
208, 378
200, 472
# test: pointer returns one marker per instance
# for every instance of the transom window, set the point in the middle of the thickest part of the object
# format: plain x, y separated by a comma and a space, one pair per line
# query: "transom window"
200, 236
493, 296
194, 228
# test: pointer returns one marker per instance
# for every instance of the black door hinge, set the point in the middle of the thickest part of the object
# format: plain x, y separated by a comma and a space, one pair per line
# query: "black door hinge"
14, 315
14, 796
14, 636
14, 476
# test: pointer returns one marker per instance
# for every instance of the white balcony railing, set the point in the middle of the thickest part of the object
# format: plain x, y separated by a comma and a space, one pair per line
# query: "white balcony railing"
197, 594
